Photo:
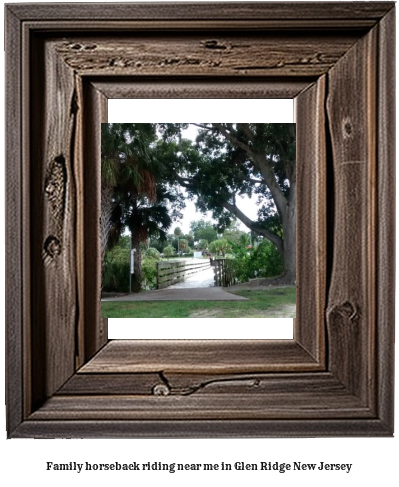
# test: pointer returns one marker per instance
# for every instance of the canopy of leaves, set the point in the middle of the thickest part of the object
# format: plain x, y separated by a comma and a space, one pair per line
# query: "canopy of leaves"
203, 230
220, 247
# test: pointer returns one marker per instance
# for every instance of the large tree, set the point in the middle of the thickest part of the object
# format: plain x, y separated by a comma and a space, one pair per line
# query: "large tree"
203, 230
125, 162
247, 159
137, 195
145, 219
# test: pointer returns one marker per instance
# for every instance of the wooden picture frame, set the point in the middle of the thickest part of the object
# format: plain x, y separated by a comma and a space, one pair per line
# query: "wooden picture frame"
335, 378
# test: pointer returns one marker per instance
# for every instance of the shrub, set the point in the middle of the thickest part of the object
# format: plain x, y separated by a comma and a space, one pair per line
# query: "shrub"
149, 273
116, 271
168, 251
262, 261
152, 253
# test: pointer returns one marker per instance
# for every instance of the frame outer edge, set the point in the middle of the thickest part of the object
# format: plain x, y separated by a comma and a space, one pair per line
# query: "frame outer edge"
302, 11
14, 262
16, 256
385, 290
201, 429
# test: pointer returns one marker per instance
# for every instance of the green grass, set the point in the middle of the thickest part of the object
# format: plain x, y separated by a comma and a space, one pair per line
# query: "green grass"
266, 303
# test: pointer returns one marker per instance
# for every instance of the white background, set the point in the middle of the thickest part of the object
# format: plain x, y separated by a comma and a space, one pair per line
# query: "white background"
23, 461
175, 111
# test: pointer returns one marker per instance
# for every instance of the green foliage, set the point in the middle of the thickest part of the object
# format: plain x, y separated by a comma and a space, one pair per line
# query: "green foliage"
152, 253
182, 244
260, 304
168, 251
190, 239
203, 230
236, 236
203, 244
261, 261
177, 232
220, 247
149, 270
116, 269
148, 165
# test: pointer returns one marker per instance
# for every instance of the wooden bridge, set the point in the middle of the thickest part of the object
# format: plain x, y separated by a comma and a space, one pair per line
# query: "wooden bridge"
172, 272
188, 280
194, 273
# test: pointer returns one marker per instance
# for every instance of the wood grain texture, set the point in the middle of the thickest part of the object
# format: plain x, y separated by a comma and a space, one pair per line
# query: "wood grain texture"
53, 219
385, 272
238, 55
95, 328
136, 87
351, 308
311, 168
184, 384
256, 397
203, 407
311, 219
14, 206
200, 356
208, 11
154, 389
291, 428
111, 384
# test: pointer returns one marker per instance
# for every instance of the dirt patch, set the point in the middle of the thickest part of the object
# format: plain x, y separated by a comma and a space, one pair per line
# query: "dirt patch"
283, 311
105, 295
208, 313
255, 285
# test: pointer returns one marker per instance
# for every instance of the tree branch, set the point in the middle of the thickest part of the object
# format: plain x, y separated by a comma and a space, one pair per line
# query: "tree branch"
185, 182
275, 239
231, 138
265, 168
248, 132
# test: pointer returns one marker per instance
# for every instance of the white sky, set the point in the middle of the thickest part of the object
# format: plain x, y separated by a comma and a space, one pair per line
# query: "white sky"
174, 111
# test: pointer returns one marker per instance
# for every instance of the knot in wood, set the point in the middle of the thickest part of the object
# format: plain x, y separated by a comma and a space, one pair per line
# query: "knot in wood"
52, 246
161, 390
347, 128
213, 44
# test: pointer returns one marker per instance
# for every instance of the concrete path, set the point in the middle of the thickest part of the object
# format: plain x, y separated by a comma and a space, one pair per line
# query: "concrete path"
194, 294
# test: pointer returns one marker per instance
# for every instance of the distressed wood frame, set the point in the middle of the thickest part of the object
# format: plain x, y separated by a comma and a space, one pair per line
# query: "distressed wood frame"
64, 379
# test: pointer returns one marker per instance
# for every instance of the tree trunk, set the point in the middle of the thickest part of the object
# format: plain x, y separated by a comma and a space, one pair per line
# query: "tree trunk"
106, 211
137, 276
289, 238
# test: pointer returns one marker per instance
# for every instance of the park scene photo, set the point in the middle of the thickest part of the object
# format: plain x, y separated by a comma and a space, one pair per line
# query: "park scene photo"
198, 220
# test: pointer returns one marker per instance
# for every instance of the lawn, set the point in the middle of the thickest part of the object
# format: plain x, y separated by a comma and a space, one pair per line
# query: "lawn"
266, 303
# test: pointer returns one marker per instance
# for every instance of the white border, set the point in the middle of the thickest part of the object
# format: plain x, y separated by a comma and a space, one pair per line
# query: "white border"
175, 111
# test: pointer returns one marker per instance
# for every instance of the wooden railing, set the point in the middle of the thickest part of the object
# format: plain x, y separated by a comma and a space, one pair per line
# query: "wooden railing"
174, 271
224, 272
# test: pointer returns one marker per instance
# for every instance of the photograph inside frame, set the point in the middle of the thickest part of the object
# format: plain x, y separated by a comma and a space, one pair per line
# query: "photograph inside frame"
198, 220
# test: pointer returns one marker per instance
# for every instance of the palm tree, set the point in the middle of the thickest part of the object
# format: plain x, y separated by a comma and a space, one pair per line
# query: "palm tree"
111, 146
126, 163
144, 219
178, 233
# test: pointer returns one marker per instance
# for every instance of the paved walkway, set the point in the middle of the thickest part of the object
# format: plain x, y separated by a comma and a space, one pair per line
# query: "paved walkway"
193, 294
